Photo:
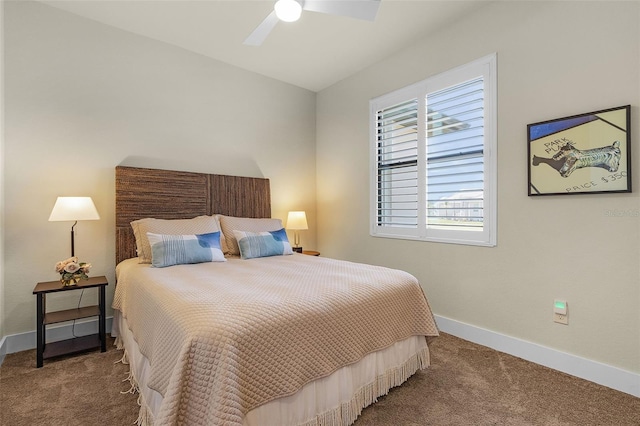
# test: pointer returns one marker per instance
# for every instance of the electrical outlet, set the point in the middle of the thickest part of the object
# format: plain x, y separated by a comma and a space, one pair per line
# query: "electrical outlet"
561, 319
560, 312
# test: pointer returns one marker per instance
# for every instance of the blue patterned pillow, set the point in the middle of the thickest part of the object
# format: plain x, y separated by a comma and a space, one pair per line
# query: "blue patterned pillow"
169, 250
263, 244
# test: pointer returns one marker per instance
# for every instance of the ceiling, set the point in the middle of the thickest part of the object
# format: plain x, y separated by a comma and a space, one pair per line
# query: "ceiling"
314, 52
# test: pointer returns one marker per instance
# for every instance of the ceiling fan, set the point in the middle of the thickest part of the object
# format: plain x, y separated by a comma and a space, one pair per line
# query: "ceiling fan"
290, 10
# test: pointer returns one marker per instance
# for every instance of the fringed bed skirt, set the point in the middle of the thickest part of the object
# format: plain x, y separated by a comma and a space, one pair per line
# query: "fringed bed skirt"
335, 400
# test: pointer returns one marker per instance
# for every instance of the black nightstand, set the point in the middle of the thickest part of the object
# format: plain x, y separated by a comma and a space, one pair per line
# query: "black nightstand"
77, 344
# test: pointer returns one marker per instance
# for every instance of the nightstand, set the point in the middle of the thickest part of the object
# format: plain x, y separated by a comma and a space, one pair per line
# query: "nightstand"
44, 318
311, 252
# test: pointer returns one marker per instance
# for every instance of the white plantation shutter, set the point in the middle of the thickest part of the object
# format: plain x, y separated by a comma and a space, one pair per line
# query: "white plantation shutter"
397, 165
455, 156
433, 158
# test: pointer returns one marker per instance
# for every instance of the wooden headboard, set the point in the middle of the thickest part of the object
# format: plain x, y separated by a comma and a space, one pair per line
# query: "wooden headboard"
167, 194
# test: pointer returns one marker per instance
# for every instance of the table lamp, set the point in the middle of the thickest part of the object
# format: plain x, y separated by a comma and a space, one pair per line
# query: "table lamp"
297, 221
73, 209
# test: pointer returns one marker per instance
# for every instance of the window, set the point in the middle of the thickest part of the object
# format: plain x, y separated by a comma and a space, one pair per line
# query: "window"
433, 155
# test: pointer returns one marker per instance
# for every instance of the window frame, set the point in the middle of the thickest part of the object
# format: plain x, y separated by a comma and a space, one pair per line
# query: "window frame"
485, 67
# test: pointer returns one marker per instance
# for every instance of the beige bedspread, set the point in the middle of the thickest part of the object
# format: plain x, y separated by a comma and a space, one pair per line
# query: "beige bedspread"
223, 338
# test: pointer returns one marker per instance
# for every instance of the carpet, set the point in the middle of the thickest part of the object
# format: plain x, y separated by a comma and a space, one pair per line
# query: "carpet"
467, 384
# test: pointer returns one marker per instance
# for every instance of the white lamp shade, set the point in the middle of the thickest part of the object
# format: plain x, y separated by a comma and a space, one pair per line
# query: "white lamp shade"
73, 208
288, 10
297, 220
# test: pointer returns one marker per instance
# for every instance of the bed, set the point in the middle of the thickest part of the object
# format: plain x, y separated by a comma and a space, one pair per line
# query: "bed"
256, 339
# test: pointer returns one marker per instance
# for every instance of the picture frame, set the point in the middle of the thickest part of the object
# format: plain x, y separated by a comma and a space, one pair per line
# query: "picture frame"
581, 154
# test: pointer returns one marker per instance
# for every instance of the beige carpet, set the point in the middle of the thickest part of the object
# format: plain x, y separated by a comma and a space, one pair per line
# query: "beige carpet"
466, 385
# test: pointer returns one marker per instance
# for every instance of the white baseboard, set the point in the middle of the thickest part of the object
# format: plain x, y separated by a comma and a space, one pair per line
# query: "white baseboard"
25, 341
3, 349
603, 374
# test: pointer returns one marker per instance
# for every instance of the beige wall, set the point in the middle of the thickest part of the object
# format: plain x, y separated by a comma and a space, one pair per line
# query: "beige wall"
82, 97
554, 59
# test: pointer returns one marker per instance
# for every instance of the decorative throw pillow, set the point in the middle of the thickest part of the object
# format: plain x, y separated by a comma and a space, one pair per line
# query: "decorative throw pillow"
263, 244
196, 225
169, 250
231, 223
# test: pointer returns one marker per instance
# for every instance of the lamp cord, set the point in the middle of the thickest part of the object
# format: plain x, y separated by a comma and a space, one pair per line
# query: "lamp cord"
73, 328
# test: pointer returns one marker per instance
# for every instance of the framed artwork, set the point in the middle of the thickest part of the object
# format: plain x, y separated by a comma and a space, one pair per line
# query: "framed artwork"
582, 154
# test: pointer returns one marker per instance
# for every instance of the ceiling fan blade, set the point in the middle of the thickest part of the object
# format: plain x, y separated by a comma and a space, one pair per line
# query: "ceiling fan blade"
262, 31
358, 9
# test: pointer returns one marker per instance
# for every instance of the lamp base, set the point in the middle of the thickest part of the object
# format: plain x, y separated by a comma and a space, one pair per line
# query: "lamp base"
297, 249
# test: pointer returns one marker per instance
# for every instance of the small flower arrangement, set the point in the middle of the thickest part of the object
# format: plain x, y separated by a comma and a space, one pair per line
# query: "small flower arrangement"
71, 272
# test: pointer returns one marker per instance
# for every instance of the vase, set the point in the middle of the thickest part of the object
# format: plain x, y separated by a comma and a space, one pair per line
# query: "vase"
73, 280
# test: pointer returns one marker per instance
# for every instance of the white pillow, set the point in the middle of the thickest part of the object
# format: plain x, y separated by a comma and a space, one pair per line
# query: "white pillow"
230, 224
197, 225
